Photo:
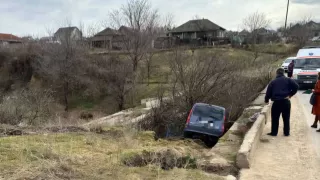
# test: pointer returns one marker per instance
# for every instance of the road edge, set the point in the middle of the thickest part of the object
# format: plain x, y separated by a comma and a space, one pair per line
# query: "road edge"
251, 139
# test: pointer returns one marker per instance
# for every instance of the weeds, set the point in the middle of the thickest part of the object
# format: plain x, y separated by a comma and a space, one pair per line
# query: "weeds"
94, 156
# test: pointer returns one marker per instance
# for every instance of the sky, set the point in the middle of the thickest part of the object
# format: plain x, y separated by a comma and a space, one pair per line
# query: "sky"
38, 17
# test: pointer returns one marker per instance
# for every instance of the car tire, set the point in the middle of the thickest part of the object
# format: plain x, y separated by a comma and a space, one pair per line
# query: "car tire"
188, 135
211, 141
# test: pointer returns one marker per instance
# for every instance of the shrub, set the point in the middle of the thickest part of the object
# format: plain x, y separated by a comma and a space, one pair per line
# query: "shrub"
212, 79
26, 106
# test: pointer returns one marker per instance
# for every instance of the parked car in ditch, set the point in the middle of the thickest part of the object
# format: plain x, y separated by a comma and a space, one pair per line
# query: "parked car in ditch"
286, 63
206, 122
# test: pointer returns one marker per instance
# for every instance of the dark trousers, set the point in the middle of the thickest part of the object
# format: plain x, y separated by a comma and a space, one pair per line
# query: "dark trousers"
280, 107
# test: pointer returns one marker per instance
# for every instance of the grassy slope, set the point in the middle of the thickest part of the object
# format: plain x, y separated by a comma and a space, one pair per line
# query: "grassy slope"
90, 156
97, 156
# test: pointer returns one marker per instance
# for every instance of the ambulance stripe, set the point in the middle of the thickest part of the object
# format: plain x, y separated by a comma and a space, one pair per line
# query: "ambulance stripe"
308, 57
308, 73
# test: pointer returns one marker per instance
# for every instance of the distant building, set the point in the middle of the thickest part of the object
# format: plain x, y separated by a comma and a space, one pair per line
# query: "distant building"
48, 39
262, 36
315, 28
302, 31
6, 39
68, 33
110, 38
165, 42
199, 31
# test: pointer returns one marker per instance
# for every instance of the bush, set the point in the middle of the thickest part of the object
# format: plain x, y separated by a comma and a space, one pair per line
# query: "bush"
32, 107
208, 78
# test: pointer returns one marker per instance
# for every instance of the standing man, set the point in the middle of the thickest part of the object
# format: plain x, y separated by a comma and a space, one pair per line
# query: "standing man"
290, 69
280, 90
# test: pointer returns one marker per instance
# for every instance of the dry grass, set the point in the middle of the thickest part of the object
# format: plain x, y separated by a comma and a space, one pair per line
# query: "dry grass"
92, 156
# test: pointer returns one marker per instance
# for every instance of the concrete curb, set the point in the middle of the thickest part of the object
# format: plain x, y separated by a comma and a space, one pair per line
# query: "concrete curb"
251, 139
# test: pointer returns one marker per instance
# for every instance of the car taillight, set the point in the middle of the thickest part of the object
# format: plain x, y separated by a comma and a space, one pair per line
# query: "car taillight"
224, 121
189, 116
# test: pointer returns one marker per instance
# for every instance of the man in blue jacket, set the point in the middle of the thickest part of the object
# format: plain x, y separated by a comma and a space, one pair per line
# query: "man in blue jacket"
280, 90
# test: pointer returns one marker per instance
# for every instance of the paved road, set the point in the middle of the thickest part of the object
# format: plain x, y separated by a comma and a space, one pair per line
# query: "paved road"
306, 107
288, 158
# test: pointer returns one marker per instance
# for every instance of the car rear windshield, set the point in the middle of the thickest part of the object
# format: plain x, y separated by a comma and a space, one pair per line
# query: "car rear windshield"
307, 63
206, 111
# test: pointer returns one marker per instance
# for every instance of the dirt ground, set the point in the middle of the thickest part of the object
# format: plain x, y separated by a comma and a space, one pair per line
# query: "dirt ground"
286, 158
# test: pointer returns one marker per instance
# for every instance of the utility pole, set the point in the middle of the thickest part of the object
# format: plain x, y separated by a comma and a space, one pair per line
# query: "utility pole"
285, 26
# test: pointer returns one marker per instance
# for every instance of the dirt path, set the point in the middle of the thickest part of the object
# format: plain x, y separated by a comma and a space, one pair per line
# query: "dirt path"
286, 158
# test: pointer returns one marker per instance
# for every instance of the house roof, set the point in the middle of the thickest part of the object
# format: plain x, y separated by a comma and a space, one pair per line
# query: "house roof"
311, 24
125, 29
244, 33
65, 30
111, 32
314, 25
107, 32
9, 37
197, 26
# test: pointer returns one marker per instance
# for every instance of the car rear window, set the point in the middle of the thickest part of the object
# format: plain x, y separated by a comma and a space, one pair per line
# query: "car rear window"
208, 112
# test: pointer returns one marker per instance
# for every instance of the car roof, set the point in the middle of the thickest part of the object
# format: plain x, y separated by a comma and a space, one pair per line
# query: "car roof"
292, 58
204, 104
309, 53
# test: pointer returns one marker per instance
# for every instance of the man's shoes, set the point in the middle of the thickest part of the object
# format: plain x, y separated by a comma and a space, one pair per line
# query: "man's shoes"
314, 126
270, 134
318, 130
286, 135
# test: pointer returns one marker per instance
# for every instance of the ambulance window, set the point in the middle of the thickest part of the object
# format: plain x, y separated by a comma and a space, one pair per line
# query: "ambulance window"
304, 63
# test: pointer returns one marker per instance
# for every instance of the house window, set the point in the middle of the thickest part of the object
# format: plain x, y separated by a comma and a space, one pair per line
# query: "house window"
194, 35
221, 34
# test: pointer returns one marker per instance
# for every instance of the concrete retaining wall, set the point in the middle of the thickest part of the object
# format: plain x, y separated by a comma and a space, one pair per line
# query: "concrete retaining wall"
153, 102
251, 139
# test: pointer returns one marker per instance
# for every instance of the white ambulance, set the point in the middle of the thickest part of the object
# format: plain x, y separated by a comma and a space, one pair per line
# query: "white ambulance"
307, 66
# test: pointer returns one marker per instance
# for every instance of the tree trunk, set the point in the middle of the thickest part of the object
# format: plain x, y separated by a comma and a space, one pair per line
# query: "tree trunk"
65, 94
121, 103
135, 63
148, 74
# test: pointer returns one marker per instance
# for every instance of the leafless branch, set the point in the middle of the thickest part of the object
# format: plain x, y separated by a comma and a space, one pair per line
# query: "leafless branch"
140, 21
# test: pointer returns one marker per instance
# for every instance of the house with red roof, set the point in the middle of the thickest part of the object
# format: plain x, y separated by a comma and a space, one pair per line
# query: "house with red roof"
6, 39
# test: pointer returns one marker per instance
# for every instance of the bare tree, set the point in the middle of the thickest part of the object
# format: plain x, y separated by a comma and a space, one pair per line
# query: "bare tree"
92, 29
206, 78
169, 22
61, 64
200, 79
120, 80
196, 17
148, 63
254, 23
138, 21
112, 77
301, 32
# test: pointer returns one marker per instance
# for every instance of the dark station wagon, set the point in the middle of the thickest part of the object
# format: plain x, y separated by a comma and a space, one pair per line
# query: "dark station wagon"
206, 121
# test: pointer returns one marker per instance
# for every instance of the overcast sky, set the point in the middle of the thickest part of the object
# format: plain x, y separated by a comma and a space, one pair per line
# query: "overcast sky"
34, 17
